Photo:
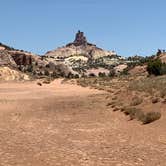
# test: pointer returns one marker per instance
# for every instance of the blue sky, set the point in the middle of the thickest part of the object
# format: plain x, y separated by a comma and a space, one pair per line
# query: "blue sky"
129, 27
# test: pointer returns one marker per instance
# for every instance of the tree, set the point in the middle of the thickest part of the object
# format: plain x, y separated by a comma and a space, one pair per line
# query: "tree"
159, 52
154, 67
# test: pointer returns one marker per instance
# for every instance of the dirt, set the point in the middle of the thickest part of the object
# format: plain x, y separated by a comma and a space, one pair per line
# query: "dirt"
67, 125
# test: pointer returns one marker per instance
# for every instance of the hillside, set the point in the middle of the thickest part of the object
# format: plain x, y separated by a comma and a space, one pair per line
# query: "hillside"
76, 59
30, 63
80, 54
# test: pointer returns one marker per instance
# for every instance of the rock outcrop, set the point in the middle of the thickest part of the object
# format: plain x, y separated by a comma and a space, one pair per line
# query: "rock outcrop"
6, 59
9, 74
76, 57
80, 40
10, 55
82, 54
22, 58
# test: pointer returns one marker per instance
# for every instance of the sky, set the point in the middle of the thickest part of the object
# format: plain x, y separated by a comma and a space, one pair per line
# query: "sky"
129, 27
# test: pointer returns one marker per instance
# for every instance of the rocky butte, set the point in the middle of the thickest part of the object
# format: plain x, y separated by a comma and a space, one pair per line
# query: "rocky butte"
80, 46
80, 54
80, 40
76, 57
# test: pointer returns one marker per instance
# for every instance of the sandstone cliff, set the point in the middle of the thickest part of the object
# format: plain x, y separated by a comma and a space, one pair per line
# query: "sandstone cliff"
82, 54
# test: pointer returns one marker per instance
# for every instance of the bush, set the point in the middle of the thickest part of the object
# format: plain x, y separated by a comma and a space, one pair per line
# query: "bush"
163, 69
155, 100
151, 117
134, 113
156, 67
150, 85
30, 68
136, 101
92, 75
46, 72
125, 72
112, 73
128, 111
76, 76
54, 74
39, 83
101, 74
69, 75
163, 92
46, 82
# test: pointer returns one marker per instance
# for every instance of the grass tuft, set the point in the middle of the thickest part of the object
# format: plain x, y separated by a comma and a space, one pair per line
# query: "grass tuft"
151, 117
136, 101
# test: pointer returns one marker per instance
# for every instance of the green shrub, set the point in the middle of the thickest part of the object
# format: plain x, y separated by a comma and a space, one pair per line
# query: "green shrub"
163, 69
69, 75
54, 74
156, 67
92, 75
76, 76
112, 73
101, 74
46, 72
125, 72
30, 68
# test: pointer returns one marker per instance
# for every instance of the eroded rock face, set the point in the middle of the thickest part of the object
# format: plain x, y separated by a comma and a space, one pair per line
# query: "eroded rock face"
80, 55
9, 74
11, 56
80, 39
6, 59
21, 58
80, 46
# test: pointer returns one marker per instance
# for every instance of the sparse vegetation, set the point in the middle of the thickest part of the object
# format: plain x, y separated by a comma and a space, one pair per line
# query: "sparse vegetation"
46, 72
134, 113
39, 83
156, 67
114, 98
136, 101
151, 85
155, 100
151, 117
138, 114
46, 82
101, 74
92, 75
140, 89
112, 73
115, 109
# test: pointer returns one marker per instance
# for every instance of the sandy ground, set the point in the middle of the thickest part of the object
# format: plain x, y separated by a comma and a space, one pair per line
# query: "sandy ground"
64, 125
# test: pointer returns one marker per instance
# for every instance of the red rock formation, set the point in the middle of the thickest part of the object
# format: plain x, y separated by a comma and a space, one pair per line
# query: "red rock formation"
80, 40
6, 59
21, 58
